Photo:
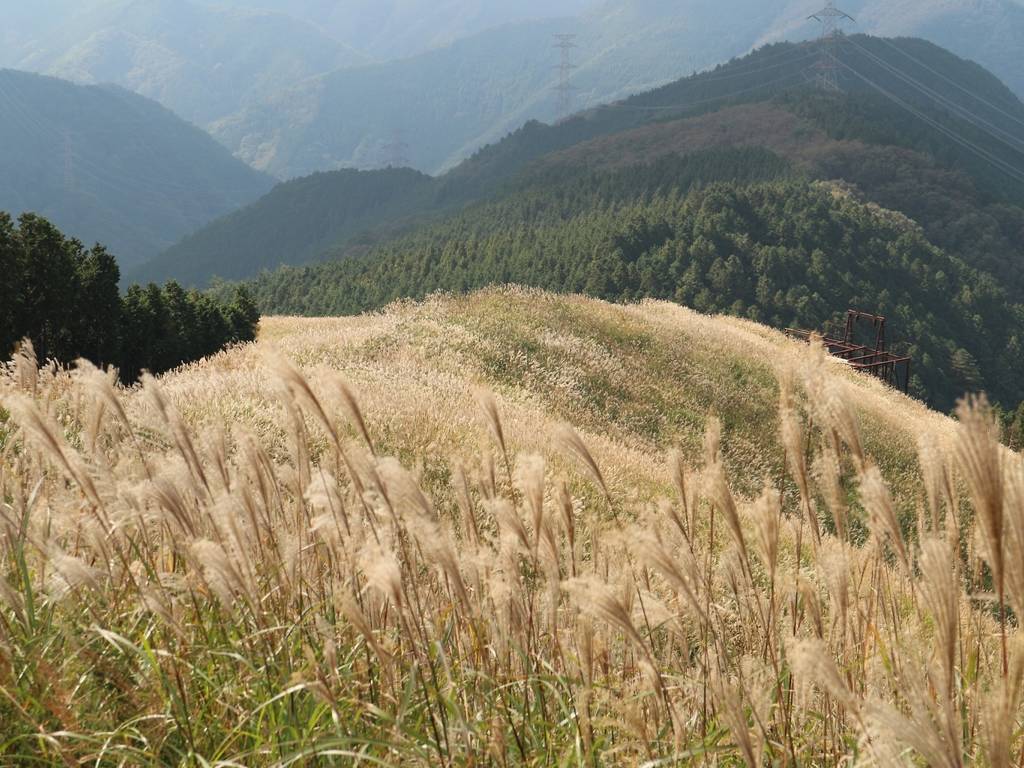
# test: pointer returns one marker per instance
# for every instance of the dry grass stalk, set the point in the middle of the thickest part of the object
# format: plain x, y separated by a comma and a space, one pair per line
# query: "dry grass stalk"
245, 585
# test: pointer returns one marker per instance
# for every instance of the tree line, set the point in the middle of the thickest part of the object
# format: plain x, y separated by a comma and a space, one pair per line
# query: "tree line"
66, 300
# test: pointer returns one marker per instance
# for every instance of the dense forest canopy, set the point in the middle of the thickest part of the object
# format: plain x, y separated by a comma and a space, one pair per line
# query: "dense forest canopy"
64, 298
772, 246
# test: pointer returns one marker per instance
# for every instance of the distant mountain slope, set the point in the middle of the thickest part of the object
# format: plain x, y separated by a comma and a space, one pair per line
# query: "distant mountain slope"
109, 166
454, 100
304, 219
202, 62
451, 101
388, 29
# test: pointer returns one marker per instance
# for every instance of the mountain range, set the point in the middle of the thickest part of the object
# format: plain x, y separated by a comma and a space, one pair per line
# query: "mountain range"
368, 84
450, 101
107, 165
200, 61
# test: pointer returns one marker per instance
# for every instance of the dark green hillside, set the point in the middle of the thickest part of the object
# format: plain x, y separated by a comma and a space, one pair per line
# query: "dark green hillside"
108, 166
784, 253
781, 73
297, 222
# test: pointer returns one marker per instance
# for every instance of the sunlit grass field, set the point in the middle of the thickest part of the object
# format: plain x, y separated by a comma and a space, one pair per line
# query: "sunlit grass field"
505, 529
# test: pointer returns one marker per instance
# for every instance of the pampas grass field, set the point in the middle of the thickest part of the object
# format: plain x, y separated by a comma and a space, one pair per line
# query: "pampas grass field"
502, 530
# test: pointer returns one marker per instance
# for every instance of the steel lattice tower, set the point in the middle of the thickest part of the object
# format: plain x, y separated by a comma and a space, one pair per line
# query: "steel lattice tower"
565, 43
831, 20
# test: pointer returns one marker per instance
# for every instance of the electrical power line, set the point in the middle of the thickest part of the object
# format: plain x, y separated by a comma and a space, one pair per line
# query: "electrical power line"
994, 131
953, 82
1007, 168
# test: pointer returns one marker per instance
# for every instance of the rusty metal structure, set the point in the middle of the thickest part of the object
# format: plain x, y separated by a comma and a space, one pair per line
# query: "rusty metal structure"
872, 357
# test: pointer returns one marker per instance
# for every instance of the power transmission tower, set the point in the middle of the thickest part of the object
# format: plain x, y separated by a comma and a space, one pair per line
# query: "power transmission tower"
69, 162
831, 20
565, 43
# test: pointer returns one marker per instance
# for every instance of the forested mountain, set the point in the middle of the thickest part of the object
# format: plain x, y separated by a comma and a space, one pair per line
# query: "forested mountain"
904, 160
745, 191
106, 165
202, 61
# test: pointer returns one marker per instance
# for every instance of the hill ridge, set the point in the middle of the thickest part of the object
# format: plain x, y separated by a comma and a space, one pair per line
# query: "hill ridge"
107, 165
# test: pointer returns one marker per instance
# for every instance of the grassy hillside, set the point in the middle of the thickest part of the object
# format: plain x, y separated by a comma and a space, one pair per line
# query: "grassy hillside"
108, 166
347, 549
635, 380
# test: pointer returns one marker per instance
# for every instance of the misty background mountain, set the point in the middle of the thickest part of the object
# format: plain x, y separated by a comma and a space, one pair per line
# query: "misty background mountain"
294, 87
107, 165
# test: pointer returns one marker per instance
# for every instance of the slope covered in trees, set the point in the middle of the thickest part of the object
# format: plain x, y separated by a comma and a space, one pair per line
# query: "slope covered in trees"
902, 154
786, 252
304, 219
64, 298
109, 166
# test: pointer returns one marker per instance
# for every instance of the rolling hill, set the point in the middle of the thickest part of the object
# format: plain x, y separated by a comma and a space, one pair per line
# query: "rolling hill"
106, 165
565, 501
